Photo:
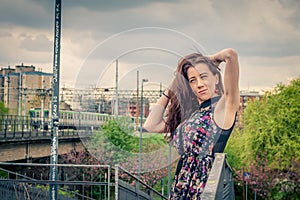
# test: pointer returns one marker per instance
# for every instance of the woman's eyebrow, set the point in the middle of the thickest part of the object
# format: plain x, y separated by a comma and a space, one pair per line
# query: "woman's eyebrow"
191, 77
200, 74
203, 73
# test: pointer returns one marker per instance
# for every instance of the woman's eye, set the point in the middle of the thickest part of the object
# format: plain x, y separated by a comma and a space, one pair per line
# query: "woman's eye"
203, 76
192, 80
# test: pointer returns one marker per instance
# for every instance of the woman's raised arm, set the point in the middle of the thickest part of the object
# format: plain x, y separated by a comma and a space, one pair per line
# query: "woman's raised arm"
229, 103
155, 121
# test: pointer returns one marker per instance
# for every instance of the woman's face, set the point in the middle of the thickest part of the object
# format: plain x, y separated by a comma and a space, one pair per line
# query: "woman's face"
202, 81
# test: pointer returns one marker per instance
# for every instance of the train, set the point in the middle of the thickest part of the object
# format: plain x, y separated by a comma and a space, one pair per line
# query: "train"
71, 119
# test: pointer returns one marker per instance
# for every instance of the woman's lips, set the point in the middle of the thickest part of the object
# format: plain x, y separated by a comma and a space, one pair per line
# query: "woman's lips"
202, 91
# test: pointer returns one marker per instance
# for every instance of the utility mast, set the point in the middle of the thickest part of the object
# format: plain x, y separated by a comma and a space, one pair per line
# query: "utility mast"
53, 192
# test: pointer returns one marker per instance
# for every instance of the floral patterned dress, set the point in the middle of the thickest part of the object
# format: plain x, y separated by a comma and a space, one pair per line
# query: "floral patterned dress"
197, 139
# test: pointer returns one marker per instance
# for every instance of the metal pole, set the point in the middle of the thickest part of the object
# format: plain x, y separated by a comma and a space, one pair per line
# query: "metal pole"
246, 190
83, 185
117, 100
162, 186
105, 178
19, 97
80, 108
8, 85
141, 130
42, 104
25, 94
116, 182
25, 99
137, 100
100, 179
91, 186
141, 139
53, 193
108, 183
169, 170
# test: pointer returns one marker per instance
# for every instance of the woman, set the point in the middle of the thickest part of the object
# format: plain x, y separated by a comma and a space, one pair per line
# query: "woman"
200, 116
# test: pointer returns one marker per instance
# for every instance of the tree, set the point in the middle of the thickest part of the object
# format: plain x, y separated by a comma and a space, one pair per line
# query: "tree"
118, 143
3, 110
269, 144
272, 125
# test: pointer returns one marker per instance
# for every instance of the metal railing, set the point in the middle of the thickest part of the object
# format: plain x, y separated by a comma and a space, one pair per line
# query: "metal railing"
74, 185
13, 127
220, 182
125, 191
104, 185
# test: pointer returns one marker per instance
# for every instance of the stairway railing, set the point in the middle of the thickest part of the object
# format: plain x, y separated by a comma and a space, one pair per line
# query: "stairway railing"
220, 183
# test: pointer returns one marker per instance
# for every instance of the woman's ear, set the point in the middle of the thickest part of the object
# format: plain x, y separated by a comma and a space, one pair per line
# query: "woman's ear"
216, 79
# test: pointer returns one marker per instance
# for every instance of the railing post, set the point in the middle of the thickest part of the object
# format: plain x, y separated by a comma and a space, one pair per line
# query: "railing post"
5, 129
108, 183
14, 128
116, 182
22, 127
214, 185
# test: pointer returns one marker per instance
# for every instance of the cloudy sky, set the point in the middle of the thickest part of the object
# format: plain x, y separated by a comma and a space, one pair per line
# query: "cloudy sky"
150, 36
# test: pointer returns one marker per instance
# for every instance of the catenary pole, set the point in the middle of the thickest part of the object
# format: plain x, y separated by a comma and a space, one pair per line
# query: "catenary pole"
117, 90
53, 193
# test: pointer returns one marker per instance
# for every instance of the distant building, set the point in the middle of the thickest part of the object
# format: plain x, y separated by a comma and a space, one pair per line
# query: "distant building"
131, 107
134, 107
23, 88
245, 97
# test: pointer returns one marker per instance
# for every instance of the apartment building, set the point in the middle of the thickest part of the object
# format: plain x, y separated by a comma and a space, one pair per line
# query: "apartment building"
245, 97
23, 88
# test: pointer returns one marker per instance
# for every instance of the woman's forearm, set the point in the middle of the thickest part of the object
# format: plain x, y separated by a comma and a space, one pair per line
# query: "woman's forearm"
155, 120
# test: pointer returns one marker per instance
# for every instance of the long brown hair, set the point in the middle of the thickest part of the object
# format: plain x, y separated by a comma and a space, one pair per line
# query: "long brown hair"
183, 101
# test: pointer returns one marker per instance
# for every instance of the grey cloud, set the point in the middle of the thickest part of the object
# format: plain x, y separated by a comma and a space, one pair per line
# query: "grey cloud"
25, 13
39, 43
294, 7
104, 5
265, 29
5, 34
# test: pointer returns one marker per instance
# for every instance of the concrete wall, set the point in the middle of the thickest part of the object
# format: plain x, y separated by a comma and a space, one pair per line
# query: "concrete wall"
25, 150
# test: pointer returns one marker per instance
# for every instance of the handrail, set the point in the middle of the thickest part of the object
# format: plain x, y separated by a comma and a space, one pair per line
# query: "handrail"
117, 168
29, 180
116, 182
219, 184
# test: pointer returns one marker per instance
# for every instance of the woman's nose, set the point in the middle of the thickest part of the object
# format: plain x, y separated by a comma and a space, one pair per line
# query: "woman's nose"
200, 83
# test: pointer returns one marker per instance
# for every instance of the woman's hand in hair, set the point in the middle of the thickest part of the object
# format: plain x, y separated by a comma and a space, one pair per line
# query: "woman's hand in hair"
215, 60
223, 56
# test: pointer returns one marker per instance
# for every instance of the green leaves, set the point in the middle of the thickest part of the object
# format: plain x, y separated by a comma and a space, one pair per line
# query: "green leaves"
118, 142
269, 143
277, 130
3, 109
271, 127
